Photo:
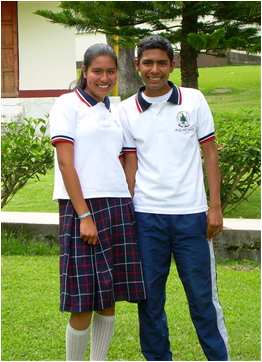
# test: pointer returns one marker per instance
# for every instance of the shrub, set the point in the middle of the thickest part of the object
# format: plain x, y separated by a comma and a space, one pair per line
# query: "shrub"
26, 153
22, 242
239, 151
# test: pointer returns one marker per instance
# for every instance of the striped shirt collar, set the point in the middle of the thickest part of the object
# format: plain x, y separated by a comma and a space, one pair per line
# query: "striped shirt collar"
89, 100
143, 105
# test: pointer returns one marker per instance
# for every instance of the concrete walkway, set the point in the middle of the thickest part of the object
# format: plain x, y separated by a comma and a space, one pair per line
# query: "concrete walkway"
46, 218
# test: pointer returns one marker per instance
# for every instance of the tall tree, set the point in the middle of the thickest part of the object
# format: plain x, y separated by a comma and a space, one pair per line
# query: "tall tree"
194, 26
211, 27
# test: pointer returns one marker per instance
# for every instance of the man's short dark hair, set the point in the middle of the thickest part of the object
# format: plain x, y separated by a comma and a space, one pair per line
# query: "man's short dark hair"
155, 42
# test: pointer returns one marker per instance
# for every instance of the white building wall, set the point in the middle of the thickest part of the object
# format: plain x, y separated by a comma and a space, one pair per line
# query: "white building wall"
84, 40
47, 51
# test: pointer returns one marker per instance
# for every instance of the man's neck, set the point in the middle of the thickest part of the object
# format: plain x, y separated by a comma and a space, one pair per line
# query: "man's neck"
149, 92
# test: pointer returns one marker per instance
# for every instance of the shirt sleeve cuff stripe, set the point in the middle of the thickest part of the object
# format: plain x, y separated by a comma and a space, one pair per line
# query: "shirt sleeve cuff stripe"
207, 139
62, 136
206, 136
128, 149
61, 140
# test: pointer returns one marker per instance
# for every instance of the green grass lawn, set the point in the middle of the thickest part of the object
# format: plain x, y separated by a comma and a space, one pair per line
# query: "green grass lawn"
35, 196
241, 82
250, 209
33, 328
244, 85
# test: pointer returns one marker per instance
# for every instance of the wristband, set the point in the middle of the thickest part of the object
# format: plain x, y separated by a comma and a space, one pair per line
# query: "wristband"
84, 215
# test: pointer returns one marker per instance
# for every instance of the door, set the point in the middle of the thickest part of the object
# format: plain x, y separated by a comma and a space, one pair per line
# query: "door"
9, 49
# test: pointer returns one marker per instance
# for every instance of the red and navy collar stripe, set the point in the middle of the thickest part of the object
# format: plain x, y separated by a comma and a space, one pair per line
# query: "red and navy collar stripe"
90, 101
143, 105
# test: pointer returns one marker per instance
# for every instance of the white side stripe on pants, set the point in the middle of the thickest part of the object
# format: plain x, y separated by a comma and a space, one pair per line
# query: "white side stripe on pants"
220, 318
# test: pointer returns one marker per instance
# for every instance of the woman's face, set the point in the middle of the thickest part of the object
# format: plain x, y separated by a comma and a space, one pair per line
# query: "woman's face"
101, 76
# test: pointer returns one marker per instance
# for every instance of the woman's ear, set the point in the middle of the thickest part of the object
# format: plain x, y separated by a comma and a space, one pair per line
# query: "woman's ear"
83, 69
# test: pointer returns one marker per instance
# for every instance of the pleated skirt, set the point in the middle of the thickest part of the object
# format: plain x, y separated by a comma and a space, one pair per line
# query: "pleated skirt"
95, 277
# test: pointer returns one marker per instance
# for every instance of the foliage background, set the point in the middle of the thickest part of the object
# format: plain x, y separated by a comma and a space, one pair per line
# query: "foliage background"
26, 153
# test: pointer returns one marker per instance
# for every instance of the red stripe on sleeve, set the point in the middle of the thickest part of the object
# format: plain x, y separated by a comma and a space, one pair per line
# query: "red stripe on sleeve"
212, 138
130, 151
61, 141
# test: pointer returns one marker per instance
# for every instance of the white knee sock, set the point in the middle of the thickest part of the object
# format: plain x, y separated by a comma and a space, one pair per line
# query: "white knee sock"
102, 331
76, 343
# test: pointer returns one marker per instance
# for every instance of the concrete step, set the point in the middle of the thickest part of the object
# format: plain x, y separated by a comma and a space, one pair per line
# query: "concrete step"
240, 238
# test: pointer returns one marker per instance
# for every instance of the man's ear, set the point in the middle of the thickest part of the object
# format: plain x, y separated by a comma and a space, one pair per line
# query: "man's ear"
136, 63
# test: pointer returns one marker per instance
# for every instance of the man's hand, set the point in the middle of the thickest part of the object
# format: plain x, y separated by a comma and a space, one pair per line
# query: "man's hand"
88, 230
214, 221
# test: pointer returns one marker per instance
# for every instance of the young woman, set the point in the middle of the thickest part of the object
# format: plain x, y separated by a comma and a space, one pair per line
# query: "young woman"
99, 262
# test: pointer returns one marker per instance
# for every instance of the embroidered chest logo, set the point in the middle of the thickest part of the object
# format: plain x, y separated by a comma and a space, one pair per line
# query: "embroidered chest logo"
183, 119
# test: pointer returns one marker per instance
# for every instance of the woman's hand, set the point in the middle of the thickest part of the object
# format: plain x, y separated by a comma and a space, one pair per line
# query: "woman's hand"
88, 230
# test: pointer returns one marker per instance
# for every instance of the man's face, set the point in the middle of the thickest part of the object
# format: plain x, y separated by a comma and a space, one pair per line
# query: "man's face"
154, 67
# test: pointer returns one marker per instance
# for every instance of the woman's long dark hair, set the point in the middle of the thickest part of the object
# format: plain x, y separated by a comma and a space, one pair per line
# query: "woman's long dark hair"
91, 53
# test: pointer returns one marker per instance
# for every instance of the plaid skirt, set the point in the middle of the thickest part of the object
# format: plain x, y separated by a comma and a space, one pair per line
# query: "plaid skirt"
94, 277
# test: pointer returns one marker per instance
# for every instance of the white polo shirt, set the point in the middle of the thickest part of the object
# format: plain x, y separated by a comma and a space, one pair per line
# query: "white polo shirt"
166, 137
98, 140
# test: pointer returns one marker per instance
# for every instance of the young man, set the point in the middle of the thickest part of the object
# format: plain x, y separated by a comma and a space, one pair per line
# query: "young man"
163, 127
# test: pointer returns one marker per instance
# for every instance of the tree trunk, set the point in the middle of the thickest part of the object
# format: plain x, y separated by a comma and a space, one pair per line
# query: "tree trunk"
188, 55
128, 81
